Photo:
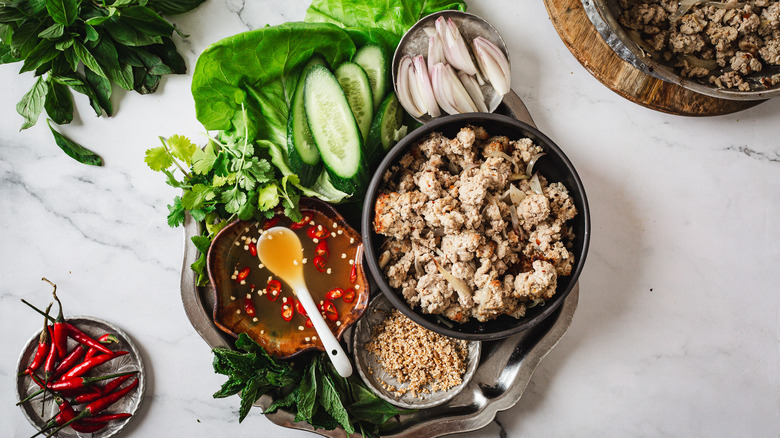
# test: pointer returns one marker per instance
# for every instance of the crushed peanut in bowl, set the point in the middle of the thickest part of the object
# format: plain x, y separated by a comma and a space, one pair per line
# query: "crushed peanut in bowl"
421, 360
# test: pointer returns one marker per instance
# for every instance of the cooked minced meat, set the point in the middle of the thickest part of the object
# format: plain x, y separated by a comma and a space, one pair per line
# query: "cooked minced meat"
723, 42
447, 211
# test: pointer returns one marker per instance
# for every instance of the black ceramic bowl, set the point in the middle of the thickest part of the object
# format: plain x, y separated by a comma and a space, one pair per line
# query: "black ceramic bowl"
554, 166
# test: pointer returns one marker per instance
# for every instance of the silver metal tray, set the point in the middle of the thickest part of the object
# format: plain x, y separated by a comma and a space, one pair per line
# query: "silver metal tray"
503, 373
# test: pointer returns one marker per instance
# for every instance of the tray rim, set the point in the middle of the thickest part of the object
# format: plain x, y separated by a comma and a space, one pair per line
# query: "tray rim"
200, 319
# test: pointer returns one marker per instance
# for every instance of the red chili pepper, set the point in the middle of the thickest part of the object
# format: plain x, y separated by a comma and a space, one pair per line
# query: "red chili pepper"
308, 323
349, 295
330, 310
75, 383
273, 289
51, 360
104, 418
317, 232
83, 339
249, 307
253, 249
302, 223
66, 414
98, 391
353, 274
268, 223
107, 338
99, 405
335, 294
287, 313
319, 263
242, 274
87, 365
81, 426
69, 361
322, 249
299, 308
44, 342
60, 338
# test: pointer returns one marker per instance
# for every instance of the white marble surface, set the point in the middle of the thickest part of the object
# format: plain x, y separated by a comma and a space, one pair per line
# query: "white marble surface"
677, 330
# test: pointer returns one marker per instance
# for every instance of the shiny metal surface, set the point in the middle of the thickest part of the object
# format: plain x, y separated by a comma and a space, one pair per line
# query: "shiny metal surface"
374, 375
415, 42
504, 371
603, 13
131, 362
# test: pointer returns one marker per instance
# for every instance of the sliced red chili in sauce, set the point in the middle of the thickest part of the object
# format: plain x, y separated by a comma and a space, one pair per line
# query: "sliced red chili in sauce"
298, 225
249, 307
273, 289
299, 308
330, 311
335, 294
322, 249
353, 274
319, 263
242, 274
318, 232
349, 295
287, 313
268, 223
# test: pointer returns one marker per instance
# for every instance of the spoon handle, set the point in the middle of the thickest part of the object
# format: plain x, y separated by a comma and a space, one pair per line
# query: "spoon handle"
332, 346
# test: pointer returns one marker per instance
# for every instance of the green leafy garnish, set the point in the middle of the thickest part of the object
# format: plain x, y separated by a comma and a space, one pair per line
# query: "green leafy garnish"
87, 46
312, 389
220, 182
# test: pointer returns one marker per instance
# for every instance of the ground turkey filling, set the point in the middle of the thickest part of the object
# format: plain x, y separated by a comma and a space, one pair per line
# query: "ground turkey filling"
467, 235
722, 42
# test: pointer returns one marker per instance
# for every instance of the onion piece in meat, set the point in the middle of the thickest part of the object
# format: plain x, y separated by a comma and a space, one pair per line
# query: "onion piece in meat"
530, 169
418, 269
685, 6
709, 64
515, 220
536, 186
518, 176
515, 195
459, 285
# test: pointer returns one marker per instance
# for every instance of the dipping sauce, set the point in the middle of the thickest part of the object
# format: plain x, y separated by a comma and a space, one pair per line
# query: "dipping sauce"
258, 302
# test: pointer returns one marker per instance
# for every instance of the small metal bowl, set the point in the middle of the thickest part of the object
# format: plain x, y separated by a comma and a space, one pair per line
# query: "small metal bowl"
415, 42
555, 167
131, 362
374, 375
603, 14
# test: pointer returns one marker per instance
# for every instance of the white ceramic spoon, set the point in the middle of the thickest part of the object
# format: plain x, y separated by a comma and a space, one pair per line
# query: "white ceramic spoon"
280, 250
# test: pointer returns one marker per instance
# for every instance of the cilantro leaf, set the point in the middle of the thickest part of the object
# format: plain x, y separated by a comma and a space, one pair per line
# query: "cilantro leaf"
203, 159
197, 197
234, 199
158, 159
268, 197
175, 213
181, 148
202, 243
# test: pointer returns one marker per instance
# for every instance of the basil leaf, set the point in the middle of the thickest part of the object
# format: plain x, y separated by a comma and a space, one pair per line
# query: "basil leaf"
146, 21
31, 105
25, 38
10, 14
63, 11
40, 55
91, 33
59, 103
7, 54
52, 32
76, 83
125, 34
64, 44
173, 7
169, 55
153, 63
102, 89
75, 150
87, 58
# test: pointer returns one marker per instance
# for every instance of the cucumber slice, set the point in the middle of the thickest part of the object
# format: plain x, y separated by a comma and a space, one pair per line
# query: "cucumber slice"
386, 129
354, 82
376, 63
334, 130
302, 151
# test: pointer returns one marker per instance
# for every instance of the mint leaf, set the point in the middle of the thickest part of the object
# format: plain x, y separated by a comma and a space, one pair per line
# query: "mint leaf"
308, 393
248, 396
330, 400
231, 387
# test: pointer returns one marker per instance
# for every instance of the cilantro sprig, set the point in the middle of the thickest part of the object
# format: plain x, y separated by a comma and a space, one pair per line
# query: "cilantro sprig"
313, 390
220, 182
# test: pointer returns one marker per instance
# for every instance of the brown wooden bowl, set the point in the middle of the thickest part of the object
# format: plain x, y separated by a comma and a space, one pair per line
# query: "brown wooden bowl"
231, 253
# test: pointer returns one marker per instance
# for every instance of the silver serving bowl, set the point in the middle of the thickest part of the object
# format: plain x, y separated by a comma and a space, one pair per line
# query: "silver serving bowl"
603, 14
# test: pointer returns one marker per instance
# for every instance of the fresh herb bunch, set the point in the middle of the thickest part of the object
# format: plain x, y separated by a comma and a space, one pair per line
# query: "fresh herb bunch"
221, 182
122, 42
313, 389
